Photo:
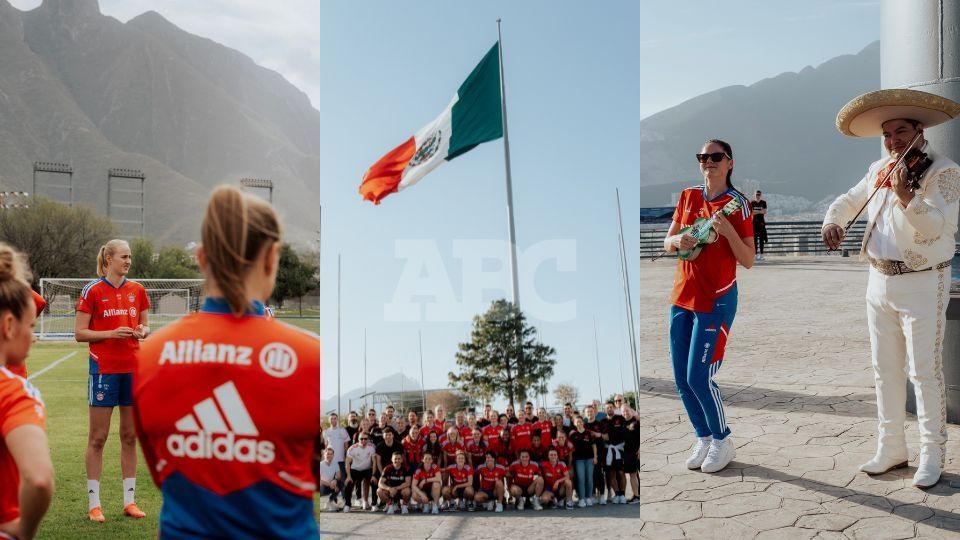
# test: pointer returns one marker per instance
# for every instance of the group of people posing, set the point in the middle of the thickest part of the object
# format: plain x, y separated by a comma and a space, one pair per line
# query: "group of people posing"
200, 394
520, 457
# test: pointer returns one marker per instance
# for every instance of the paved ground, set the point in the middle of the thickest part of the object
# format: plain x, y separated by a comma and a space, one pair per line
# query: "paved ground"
801, 404
611, 521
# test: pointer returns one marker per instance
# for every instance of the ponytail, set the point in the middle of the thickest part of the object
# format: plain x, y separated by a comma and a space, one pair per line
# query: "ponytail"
14, 276
236, 228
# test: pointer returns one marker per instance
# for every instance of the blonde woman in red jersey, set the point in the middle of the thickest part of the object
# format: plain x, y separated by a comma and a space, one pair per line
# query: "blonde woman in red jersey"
112, 318
26, 472
704, 300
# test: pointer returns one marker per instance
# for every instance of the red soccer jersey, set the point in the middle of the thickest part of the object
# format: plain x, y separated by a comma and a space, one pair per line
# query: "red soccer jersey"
476, 451
423, 474
229, 402
552, 473
700, 282
450, 450
522, 475
459, 476
520, 435
110, 308
466, 432
544, 427
563, 451
413, 450
490, 477
425, 431
490, 433
20, 405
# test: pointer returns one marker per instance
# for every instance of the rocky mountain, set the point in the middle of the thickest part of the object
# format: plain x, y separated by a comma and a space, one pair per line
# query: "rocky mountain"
83, 88
781, 129
389, 383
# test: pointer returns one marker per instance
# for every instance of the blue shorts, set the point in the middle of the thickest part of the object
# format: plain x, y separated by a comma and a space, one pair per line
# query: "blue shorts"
109, 390
490, 494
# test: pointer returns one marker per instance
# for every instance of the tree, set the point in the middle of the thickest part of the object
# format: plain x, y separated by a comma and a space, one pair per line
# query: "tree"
171, 263
60, 241
629, 396
297, 275
494, 362
565, 393
450, 401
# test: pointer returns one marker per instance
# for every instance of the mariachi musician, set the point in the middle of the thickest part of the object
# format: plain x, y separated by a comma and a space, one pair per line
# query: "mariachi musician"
909, 241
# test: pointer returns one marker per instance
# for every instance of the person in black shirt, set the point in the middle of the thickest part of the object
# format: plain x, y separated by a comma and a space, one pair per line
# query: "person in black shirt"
384, 453
353, 425
584, 459
615, 439
631, 452
394, 485
598, 427
758, 207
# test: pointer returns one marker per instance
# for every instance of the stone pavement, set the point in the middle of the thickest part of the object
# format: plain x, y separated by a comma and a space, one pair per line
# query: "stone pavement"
602, 522
800, 402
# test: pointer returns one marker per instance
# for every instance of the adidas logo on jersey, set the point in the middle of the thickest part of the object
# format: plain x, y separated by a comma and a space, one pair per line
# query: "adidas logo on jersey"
195, 351
212, 438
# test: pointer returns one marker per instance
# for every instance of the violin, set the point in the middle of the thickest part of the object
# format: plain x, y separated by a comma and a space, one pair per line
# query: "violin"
916, 163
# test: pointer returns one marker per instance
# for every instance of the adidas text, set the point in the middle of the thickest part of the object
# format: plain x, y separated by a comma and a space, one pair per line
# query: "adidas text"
197, 352
226, 447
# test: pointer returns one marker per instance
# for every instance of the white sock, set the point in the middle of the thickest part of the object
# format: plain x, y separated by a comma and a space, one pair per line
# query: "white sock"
129, 485
93, 493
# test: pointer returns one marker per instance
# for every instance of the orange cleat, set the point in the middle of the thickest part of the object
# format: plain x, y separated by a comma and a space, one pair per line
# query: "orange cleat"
96, 514
134, 512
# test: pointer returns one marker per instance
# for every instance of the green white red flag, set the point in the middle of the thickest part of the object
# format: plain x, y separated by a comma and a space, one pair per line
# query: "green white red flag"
473, 116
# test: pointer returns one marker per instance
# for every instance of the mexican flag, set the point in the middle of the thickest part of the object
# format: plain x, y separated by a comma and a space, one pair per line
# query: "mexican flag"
473, 116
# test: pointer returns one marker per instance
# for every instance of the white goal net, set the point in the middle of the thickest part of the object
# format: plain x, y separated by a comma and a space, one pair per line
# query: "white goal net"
170, 299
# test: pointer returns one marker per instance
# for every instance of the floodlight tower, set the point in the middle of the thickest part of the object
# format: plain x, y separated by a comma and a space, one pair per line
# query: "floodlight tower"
128, 174
259, 183
57, 169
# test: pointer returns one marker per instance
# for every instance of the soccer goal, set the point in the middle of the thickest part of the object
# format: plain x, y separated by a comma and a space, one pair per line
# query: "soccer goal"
170, 299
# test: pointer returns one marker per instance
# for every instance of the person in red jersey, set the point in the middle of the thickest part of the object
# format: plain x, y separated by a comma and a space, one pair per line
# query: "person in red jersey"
429, 425
505, 452
564, 448
556, 481
490, 483
459, 485
26, 472
451, 446
427, 482
460, 423
537, 453
112, 318
413, 449
491, 432
521, 433
544, 423
476, 448
704, 300
525, 481
394, 485
228, 401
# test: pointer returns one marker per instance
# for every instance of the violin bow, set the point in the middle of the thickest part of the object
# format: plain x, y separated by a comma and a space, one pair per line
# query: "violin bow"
903, 155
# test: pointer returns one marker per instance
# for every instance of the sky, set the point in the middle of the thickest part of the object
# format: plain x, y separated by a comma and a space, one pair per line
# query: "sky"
282, 36
413, 264
692, 47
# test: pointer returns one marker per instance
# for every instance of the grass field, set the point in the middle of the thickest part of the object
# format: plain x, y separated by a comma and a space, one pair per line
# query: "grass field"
64, 389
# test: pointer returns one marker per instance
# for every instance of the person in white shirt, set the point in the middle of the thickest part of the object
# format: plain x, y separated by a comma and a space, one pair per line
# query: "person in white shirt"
337, 438
330, 479
909, 241
359, 466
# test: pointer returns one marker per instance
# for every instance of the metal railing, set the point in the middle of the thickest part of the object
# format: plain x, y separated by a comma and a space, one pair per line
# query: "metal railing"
783, 238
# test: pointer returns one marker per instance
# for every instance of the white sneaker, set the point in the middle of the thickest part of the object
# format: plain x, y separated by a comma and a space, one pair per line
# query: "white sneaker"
365, 506
435, 509
346, 509
582, 504
463, 504
426, 508
499, 507
699, 452
536, 503
488, 506
720, 454
391, 508
603, 500
403, 509
589, 501
928, 471
623, 499
569, 505
520, 501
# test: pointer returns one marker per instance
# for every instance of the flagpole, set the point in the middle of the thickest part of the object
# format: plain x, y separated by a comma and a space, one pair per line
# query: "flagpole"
338, 335
506, 158
364, 366
626, 293
423, 389
596, 345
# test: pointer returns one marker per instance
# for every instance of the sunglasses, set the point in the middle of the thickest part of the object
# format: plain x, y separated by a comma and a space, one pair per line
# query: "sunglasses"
715, 157
364, 439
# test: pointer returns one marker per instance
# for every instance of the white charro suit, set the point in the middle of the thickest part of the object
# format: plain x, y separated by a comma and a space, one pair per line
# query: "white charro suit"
906, 313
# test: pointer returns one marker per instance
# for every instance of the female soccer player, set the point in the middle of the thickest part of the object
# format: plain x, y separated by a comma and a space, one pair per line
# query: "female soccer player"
525, 481
26, 472
228, 401
459, 484
427, 483
112, 318
556, 481
490, 479
704, 300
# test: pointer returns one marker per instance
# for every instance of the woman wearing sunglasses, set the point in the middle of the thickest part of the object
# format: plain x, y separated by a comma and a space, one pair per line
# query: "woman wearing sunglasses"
704, 299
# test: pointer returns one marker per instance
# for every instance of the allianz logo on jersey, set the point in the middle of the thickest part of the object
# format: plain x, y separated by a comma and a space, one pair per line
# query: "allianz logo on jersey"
232, 436
132, 312
276, 359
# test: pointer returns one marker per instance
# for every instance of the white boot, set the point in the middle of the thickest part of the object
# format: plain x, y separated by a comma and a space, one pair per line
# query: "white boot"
928, 471
886, 460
